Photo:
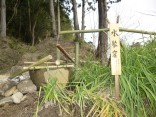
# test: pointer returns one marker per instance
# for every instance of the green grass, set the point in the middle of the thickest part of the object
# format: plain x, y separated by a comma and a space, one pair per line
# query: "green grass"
93, 90
138, 80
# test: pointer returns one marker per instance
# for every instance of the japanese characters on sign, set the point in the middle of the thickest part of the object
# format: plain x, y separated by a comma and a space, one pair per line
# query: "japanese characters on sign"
115, 49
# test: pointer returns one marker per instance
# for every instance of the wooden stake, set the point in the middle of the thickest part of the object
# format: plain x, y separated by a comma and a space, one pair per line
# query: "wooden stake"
115, 56
117, 89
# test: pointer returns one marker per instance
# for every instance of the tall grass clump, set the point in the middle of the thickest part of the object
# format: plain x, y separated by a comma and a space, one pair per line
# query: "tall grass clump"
91, 94
96, 86
138, 80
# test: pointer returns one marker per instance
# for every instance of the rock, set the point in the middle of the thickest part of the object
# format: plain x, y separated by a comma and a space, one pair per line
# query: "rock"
26, 75
19, 78
14, 69
4, 86
10, 91
15, 90
17, 97
4, 77
47, 104
5, 100
23, 98
41, 76
26, 86
59, 74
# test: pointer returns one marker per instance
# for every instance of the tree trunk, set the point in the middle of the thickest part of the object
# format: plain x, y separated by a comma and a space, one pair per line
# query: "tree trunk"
20, 23
83, 18
102, 41
3, 20
76, 23
53, 21
30, 25
33, 33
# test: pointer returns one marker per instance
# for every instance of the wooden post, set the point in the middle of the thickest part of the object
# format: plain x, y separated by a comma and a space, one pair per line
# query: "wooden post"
115, 56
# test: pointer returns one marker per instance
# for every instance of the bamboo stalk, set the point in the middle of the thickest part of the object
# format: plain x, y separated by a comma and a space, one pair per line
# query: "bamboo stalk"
76, 59
32, 65
58, 11
59, 27
77, 55
47, 67
44, 62
107, 29
137, 31
52, 63
83, 31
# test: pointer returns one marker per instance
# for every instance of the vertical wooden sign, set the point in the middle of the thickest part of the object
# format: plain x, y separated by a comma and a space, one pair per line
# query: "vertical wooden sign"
115, 56
115, 49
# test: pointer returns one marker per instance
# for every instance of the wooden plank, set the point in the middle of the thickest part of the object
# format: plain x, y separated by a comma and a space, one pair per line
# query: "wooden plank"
115, 49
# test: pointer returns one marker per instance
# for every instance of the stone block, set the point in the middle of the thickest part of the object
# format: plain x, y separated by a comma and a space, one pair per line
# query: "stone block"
40, 77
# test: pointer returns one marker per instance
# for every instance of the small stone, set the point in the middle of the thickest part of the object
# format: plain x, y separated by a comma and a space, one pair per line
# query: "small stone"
5, 100
17, 97
24, 97
10, 91
15, 91
14, 69
6, 85
49, 103
26, 86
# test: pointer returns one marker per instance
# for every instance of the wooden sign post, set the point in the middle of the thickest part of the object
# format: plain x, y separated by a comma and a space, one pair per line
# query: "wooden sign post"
115, 56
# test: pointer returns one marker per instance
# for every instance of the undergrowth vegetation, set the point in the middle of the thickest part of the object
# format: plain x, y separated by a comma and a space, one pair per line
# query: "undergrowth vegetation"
92, 92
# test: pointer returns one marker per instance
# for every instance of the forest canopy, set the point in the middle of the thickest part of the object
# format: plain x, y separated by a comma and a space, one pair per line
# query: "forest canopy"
28, 19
